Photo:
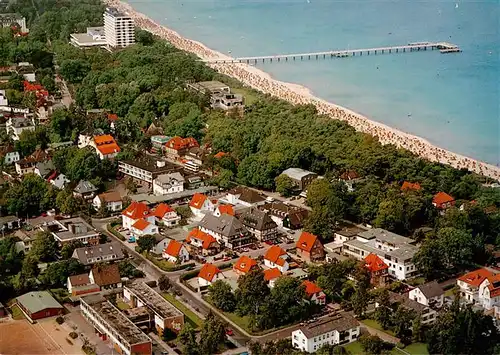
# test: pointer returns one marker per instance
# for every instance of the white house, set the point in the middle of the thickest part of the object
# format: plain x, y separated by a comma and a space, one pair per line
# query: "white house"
168, 183
3, 98
166, 215
340, 328
175, 252
428, 294
10, 156
209, 273
111, 200
245, 196
271, 275
142, 227
135, 211
276, 257
16, 125
314, 293
200, 205
469, 283
489, 292
58, 180
161, 244
84, 140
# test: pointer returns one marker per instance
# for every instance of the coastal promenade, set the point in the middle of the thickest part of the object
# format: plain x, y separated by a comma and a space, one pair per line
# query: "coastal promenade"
443, 47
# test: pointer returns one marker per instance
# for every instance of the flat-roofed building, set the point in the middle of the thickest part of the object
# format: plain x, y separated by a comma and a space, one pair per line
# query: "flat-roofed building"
118, 28
111, 323
210, 87
226, 101
301, 178
94, 37
145, 169
139, 294
72, 229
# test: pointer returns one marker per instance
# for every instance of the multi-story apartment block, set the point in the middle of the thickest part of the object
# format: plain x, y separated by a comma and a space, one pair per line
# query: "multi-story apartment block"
118, 28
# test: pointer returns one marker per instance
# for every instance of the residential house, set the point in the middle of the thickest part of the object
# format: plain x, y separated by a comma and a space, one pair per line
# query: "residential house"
226, 101
99, 253
489, 292
203, 241
158, 143
175, 252
442, 201
429, 294
9, 155
245, 196
26, 69
347, 232
16, 125
39, 304
276, 257
26, 239
111, 201
143, 227
145, 169
59, 181
9, 223
209, 273
469, 283
349, 178
72, 229
427, 314
314, 292
27, 165
260, 224
271, 275
379, 275
286, 216
105, 146
309, 247
410, 186
3, 99
161, 244
44, 169
134, 212
336, 329
194, 159
177, 147
85, 189
244, 265
224, 209
301, 178
228, 230
168, 184
200, 205
166, 215
80, 285
106, 276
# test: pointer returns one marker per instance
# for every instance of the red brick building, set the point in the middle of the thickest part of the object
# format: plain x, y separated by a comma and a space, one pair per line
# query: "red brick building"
39, 304
309, 248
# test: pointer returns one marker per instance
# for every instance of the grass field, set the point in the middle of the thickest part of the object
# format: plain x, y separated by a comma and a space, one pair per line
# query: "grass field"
413, 349
250, 97
191, 317
17, 314
354, 348
374, 324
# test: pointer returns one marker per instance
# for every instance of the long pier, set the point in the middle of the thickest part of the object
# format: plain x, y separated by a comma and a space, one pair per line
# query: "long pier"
443, 47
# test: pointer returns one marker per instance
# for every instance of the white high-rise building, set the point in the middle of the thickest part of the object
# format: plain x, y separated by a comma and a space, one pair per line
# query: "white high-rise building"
118, 28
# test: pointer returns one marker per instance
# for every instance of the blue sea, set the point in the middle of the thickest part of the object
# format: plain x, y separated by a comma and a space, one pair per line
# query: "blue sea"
452, 100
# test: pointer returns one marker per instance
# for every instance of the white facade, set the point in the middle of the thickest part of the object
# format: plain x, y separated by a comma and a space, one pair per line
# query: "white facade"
469, 292
160, 246
207, 207
150, 229
118, 28
127, 222
15, 129
84, 140
281, 266
171, 219
113, 206
3, 98
60, 181
182, 256
11, 158
203, 282
417, 295
312, 344
488, 298
168, 183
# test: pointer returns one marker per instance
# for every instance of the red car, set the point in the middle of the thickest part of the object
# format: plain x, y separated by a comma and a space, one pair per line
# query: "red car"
229, 332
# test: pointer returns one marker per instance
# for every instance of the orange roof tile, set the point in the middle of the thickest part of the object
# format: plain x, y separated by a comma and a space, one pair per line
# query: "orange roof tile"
141, 224
219, 155
197, 201
103, 139
226, 209
206, 239
271, 274
311, 287
274, 254
373, 263
178, 143
441, 198
107, 149
136, 210
494, 286
474, 278
161, 210
173, 248
245, 264
410, 186
112, 117
208, 272
306, 241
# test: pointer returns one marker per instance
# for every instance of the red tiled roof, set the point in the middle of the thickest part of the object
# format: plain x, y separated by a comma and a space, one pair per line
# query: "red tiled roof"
141, 224
274, 254
219, 155
111, 196
173, 248
79, 280
226, 209
474, 278
245, 264
179, 143
349, 175
136, 210
441, 198
161, 210
197, 200
112, 117
106, 144
106, 274
271, 274
306, 241
494, 286
410, 186
208, 272
206, 239
373, 263
311, 287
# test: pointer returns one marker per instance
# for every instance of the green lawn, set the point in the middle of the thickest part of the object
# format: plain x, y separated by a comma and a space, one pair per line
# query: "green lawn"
17, 314
191, 317
250, 97
240, 321
413, 349
374, 324
354, 348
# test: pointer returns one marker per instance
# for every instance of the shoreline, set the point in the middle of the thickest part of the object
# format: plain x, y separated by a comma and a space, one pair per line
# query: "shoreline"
297, 94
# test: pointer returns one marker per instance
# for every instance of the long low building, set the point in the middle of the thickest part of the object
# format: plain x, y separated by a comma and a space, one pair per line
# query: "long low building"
111, 323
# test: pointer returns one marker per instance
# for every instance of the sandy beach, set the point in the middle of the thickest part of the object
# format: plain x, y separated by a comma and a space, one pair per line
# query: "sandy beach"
297, 94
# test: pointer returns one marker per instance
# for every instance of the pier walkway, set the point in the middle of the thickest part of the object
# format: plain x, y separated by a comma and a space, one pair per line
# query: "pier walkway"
443, 47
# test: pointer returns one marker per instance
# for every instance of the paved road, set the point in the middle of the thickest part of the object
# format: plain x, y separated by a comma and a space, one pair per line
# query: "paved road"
67, 100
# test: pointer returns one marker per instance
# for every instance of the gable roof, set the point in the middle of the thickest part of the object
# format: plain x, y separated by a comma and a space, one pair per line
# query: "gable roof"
442, 197
257, 219
226, 225
227, 209
306, 241
474, 278
271, 274
431, 289
136, 210
161, 210
494, 286
141, 224
349, 175
105, 275
410, 186
84, 254
178, 143
79, 280
198, 200
339, 322
206, 239
246, 194
311, 287
373, 263
245, 264
208, 272
173, 248
274, 254
84, 187
219, 155
111, 196
37, 301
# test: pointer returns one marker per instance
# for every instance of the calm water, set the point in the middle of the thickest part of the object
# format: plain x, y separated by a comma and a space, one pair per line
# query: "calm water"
453, 100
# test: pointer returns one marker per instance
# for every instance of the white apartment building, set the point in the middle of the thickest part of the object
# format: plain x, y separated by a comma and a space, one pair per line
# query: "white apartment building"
168, 183
428, 294
340, 328
118, 28
489, 292
470, 282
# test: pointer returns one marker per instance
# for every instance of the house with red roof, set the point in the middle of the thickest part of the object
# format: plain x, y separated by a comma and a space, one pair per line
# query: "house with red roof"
410, 186
177, 146
271, 275
203, 242
175, 252
105, 146
143, 227
166, 215
442, 201
224, 209
276, 257
378, 269
470, 282
244, 265
200, 205
489, 292
309, 247
314, 292
220, 155
209, 273
134, 212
